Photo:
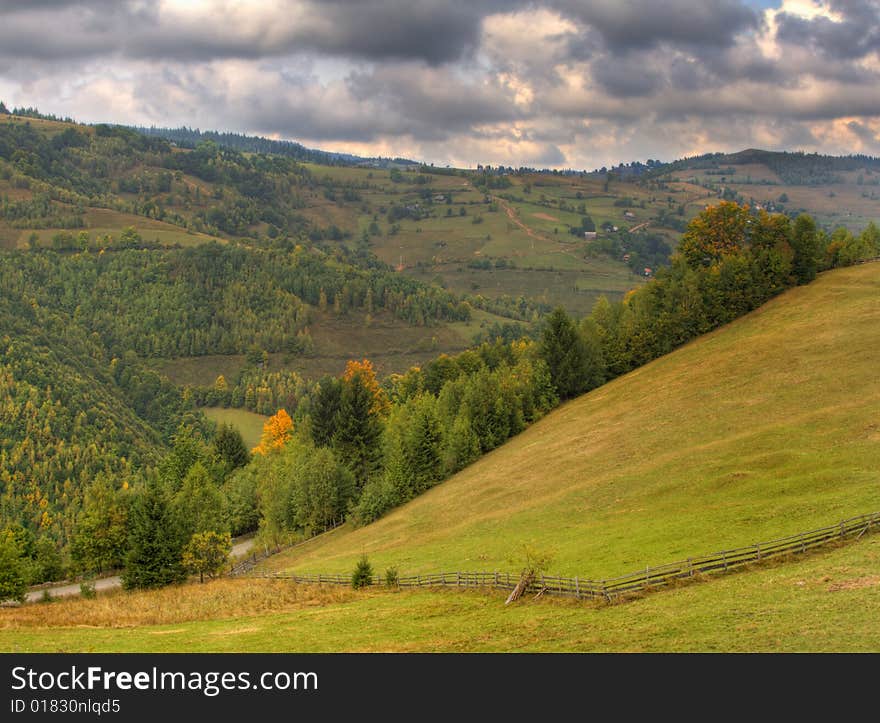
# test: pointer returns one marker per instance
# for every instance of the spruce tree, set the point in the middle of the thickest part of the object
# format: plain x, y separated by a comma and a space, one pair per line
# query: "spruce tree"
423, 445
805, 244
358, 430
229, 446
363, 573
325, 411
566, 355
155, 544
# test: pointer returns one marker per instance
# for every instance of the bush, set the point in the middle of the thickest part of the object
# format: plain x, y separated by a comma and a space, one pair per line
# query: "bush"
377, 497
363, 574
391, 577
13, 582
87, 590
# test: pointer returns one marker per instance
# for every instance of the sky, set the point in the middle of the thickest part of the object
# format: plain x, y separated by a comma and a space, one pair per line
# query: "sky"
544, 83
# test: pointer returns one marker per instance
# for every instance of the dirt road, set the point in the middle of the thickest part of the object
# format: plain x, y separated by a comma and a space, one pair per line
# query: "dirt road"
240, 548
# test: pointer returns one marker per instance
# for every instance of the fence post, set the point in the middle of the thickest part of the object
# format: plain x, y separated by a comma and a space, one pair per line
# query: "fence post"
577, 588
803, 544
690, 568
458, 578
758, 548
496, 578
724, 559
841, 530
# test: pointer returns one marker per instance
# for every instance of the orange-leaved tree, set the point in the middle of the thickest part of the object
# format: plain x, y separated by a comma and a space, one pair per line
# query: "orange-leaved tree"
380, 406
277, 431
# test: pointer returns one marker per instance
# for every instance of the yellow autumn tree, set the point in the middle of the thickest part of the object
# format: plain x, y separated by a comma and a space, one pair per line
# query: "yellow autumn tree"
381, 406
277, 431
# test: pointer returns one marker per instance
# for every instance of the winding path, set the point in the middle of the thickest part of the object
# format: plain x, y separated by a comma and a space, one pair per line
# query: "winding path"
239, 549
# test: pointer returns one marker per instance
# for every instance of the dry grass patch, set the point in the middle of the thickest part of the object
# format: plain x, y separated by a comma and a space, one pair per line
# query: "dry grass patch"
219, 599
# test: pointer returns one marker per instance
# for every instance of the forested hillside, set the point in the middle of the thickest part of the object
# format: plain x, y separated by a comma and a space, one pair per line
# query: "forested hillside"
254, 281
70, 412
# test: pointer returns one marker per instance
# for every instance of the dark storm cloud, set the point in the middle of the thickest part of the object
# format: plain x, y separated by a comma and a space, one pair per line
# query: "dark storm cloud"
626, 78
435, 31
434, 101
538, 80
628, 24
855, 35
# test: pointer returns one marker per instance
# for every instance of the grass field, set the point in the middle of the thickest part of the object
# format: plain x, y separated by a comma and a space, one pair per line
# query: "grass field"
248, 423
763, 428
824, 602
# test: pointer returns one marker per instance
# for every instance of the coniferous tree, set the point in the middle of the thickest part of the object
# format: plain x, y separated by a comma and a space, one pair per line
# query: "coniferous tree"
358, 430
325, 411
187, 450
155, 543
229, 446
363, 573
805, 244
462, 444
423, 445
566, 355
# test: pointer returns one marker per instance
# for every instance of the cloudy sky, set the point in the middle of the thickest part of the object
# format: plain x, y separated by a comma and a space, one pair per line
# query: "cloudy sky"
557, 83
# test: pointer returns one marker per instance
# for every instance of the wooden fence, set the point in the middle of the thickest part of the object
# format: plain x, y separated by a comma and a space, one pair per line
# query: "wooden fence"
644, 579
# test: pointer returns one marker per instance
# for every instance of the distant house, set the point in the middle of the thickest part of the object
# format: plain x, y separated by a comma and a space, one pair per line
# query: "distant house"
590, 235
629, 214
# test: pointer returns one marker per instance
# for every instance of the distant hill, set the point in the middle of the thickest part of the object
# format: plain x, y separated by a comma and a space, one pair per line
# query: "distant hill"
191, 137
795, 168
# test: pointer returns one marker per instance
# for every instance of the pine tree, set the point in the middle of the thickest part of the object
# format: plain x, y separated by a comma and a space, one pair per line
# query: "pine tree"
805, 244
423, 444
566, 355
229, 446
363, 574
358, 431
155, 544
462, 445
325, 411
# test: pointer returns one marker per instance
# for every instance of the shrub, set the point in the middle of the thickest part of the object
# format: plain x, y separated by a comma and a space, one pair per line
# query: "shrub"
363, 574
391, 577
87, 590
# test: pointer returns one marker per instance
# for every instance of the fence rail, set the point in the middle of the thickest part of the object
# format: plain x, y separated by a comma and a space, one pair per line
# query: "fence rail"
610, 588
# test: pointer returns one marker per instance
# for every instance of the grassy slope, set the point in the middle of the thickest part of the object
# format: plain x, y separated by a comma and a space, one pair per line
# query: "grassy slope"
763, 428
248, 423
783, 607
